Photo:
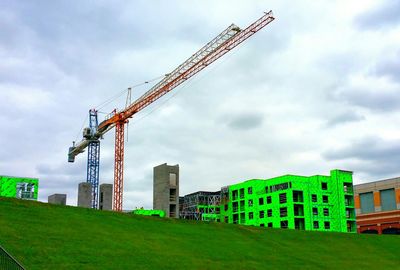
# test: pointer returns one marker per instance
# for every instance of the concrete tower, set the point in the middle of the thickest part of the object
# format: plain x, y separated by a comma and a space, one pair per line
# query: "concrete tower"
166, 189
85, 195
106, 193
60, 199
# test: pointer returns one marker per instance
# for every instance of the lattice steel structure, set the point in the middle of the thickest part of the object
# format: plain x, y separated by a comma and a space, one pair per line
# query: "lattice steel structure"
93, 159
195, 205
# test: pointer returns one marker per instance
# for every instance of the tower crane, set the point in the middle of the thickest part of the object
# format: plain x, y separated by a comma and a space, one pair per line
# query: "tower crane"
230, 38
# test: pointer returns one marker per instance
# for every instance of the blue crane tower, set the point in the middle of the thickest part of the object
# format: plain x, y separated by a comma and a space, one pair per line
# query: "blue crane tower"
93, 160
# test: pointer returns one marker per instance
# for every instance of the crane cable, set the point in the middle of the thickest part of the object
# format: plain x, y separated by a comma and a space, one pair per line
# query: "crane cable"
192, 81
113, 98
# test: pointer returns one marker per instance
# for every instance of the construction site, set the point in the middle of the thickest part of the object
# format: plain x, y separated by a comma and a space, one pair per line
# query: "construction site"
251, 208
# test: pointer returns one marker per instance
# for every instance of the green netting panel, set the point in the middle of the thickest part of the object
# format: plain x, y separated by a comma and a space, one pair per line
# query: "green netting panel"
19, 187
156, 213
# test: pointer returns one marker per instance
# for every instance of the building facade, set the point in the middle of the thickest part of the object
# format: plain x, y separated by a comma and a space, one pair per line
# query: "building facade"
318, 203
378, 206
19, 187
166, 189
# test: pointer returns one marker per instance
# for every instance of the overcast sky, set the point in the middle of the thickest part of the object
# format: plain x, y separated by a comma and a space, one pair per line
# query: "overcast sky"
317, 89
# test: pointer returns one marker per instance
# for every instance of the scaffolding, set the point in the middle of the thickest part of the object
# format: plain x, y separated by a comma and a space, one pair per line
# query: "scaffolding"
195, 205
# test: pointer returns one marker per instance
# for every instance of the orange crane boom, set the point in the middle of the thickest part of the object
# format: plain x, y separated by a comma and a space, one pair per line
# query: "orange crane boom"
216, 48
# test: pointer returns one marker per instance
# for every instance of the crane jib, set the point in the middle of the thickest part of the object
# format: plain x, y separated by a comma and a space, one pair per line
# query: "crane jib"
228, 39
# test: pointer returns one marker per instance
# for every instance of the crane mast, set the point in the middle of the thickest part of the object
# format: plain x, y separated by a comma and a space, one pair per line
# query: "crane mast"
213, 50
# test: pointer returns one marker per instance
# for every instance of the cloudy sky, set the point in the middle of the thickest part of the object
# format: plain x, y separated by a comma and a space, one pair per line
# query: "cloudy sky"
317, 89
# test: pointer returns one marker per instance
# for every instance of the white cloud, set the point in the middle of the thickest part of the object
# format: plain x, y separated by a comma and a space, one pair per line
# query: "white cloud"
311, 82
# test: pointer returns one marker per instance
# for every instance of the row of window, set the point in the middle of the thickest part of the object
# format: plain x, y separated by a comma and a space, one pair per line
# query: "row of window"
283, 199
283, 186
284, 224
314, 198
283, 212
327, 225
325, 211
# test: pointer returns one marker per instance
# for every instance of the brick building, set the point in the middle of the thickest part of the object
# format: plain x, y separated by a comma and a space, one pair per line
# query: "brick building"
378, 206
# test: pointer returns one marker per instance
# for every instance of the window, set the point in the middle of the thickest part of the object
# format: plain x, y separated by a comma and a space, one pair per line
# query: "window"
297, 196
226, 219
270, 225
284, 224
251, 215
315, 225
249, 190
250, 202
269, 199
283, 212
326, 212
226, 207
282, 198
315, 211
241, 192
269, 213
314, 198
266, 189
172, 179
234, 194
261, 214
262, 225
388, 199
235, 206
324, 185
367, 202
172, 195
327, 225
278, 187
325, 199
261, 201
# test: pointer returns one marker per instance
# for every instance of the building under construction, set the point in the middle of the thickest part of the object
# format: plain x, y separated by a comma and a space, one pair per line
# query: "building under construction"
201, 205
19, 187
319, 203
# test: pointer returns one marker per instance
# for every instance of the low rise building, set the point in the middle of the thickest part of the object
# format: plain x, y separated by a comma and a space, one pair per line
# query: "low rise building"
378, 206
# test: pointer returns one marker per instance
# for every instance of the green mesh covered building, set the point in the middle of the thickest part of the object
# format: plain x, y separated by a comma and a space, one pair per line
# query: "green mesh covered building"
19, 187
322, 203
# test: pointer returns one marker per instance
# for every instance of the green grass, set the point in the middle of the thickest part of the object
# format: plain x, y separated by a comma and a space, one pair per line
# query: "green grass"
43, 236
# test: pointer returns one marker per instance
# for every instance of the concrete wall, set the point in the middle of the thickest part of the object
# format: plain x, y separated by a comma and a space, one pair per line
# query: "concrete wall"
85, 195
105, 198
166, 193
60, 199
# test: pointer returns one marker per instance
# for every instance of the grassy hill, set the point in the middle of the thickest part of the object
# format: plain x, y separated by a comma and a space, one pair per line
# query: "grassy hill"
43, 236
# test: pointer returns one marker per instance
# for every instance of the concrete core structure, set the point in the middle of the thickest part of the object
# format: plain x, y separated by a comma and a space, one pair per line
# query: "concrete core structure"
105, 199
378, 206
166, 189
60, 199
85, 195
